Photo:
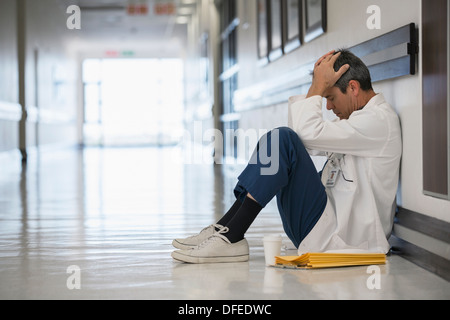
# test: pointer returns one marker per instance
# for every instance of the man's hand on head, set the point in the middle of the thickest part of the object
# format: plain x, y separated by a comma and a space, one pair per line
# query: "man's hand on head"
324, 75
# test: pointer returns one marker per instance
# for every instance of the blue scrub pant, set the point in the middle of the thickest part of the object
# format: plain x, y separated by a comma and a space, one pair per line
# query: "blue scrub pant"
281, 167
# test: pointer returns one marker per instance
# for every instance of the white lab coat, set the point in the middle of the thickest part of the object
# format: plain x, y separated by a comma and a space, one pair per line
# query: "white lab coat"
367, 149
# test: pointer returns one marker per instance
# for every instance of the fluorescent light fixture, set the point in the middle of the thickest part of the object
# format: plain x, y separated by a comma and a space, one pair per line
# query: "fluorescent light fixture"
182, 20
185, 11
188, 2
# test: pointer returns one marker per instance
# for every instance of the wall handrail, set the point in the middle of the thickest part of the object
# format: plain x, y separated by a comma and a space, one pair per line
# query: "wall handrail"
388, 56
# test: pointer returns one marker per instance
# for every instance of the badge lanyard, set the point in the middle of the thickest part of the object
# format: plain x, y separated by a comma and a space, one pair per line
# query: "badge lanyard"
336, 169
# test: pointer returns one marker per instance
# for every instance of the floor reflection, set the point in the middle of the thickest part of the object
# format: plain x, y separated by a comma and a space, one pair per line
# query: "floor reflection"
113, 213
94, 184
100, 208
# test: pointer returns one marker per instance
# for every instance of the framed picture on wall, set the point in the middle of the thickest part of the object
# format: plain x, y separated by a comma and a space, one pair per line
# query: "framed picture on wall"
293, 21
276, 30
263, 31
315, 18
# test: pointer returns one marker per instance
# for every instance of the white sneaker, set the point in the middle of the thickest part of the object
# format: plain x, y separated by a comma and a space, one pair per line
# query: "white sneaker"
194, 241
216, 249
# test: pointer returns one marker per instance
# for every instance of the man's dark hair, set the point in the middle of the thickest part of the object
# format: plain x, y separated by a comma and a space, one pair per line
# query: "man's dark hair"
358, 71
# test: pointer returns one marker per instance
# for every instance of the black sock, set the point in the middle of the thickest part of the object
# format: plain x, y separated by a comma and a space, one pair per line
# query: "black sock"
230, 214
242, 220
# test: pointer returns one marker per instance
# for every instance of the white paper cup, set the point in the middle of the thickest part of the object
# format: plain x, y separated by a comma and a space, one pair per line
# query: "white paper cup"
272, 248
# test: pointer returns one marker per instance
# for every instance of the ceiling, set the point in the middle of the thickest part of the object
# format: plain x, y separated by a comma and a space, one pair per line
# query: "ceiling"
106, 21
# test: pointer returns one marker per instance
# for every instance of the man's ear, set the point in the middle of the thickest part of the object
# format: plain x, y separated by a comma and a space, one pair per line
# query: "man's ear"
354, 87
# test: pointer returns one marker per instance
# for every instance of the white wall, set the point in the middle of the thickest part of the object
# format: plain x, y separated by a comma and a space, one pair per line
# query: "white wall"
50, 80
347, 27
10, 111
8, 52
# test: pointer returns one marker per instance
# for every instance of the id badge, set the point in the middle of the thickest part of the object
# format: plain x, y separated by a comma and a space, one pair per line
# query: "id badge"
332, 178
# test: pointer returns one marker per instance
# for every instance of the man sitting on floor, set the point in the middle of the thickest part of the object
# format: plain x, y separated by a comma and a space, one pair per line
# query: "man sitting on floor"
350, 205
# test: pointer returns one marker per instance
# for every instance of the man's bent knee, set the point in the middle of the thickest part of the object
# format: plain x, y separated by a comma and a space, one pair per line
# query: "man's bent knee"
286, 134
271, 145
268, 153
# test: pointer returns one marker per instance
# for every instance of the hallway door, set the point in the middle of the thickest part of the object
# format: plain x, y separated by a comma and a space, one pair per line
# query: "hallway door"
133, 102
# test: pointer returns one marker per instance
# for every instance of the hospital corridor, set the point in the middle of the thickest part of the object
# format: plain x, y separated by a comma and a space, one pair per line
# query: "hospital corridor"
125, 124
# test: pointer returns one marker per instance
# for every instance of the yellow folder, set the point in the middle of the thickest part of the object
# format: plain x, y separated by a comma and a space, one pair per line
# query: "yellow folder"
330, 260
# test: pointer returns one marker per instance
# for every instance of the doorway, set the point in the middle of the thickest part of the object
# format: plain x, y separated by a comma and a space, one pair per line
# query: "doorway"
133, 102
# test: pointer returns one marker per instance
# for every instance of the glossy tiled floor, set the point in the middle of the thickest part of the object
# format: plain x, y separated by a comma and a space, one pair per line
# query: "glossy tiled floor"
112, 213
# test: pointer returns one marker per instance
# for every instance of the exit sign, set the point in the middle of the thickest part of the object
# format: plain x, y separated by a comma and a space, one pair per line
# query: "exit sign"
137, 9
164, 8
118, 54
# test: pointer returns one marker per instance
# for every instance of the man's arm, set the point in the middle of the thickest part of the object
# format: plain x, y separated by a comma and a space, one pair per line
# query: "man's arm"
364, 134
324, 75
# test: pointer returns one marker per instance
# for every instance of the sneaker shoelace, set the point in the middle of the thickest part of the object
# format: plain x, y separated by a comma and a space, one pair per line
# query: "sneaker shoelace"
218, 234
216, 226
